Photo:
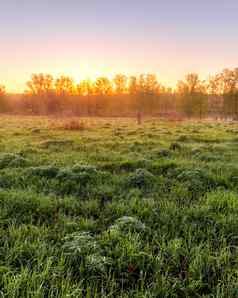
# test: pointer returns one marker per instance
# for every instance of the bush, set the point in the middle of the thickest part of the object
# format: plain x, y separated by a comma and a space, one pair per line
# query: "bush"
130, 261
175, 146
130, 165
207, 157
183, 138
12, 160
74, 125
198, 181
26, 207
56, 144
19, 162
127, 223
126, 165
79, 180
84, 256
80, 244
80, 173
43, 171
163, 167
84, 168
164, 153
221, 202
142, 179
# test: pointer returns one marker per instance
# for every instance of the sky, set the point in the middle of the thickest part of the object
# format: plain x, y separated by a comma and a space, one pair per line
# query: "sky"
90, 38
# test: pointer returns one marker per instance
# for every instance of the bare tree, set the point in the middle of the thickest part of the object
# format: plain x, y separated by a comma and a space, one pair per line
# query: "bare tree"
85, 88
226, 85
3, 101
103, 86
41, 93
120, 82
64, 86
192, 94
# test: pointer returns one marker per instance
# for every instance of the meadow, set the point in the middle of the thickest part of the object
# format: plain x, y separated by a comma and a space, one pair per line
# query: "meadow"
104, 207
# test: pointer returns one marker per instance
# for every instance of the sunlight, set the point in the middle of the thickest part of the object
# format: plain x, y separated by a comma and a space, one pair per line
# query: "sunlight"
119, 149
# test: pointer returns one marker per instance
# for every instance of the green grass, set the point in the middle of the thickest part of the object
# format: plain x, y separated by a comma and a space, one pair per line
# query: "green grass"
118, 210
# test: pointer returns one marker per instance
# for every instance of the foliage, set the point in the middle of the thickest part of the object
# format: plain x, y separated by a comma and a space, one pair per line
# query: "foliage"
127, 96
127, 223
3, 100
99, 214
141, 178
193, 96
12, 160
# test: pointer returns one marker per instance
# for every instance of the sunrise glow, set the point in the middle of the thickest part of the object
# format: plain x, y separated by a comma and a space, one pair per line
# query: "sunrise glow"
86, 39
119, 148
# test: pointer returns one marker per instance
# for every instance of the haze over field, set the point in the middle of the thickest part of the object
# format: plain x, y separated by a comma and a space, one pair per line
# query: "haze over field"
93, 38
118, 148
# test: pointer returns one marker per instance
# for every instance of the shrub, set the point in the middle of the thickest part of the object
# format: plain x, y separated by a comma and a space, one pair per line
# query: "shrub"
130, 261
175, 146
163, 167
207, 157
97, 264
126, 165
80, 244
26, 207
43, 171
127, 223
74, 125
183, 138
77, 180
221, 202
84, 256
84, 168
196, 151
56, 144
164, 153
12, 160
142, 179
198, 181
35, 130
80, 173
19, 162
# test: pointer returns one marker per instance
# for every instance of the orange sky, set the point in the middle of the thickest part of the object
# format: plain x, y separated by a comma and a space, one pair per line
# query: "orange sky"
170, 63
93, 38
170, 60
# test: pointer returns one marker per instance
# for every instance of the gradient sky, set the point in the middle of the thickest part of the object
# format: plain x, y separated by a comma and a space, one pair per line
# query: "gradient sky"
87, 38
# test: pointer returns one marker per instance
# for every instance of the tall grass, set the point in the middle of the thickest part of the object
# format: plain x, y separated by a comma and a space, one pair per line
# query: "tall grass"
139, 214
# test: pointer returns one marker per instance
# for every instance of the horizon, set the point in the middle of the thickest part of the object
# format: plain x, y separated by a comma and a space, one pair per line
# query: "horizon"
118, 150
161, 80
93, 39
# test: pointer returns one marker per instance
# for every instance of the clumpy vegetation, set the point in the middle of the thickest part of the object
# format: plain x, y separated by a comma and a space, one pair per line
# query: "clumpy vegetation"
118, 210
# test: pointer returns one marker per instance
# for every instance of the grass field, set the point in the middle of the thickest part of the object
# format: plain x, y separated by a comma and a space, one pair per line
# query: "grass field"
113, 209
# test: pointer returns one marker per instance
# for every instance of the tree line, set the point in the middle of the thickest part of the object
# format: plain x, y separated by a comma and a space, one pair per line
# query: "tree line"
126, 96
